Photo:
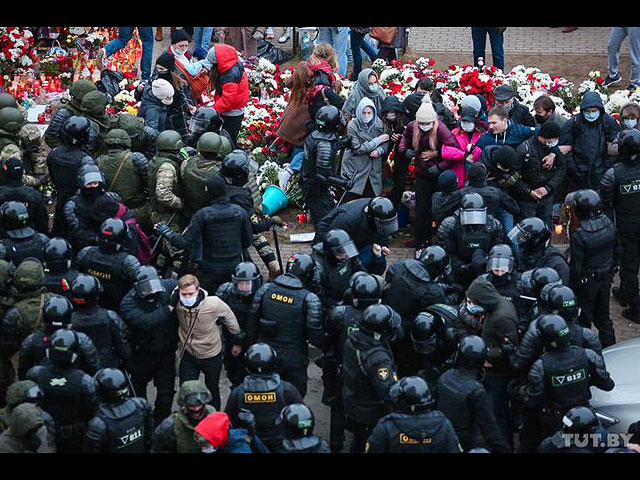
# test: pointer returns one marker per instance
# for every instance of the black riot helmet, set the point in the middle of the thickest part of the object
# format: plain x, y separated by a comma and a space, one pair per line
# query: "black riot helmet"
63, 349
365, 291
471, 353
85, 291
296, 420
533, 281
554, 332
57, 255
113, 234
530, 234
424, 332
246, 279
411, 394
629, 143
303, 266
587, 204
473, 210
328, 119
382, 214
15, 220
500, 260
112, 385
56, 313
206, 119
237, 166
560, 300
347, 297
435, 259
580, 420
75, 131
338, 246
148, 286
380, 319
261, 359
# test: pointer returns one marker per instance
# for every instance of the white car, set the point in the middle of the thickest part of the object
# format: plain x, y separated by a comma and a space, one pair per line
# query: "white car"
623, 402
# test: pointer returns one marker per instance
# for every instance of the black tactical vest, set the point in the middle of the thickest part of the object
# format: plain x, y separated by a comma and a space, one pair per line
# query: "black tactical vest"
407, 285
62, 395
107, 267
468, 240
566, 378
126, 434
96, 325
282, 324
453, 391
627, 192
18, 250
265, 399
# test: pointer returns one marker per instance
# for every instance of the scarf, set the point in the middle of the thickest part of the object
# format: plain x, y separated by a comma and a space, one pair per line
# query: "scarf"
314, 89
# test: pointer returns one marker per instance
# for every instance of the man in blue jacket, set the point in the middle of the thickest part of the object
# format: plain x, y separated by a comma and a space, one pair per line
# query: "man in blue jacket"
503, 131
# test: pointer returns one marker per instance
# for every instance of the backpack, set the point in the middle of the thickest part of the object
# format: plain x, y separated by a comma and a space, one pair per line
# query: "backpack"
144, 244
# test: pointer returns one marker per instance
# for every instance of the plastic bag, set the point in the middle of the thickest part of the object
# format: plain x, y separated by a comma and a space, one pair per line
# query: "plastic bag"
272, 53
109, 83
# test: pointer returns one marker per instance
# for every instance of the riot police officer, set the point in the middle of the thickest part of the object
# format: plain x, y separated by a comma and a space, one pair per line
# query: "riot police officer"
64, 163
297, 422
105, 327
369, 371
579, 425
94, 107
263, 393
467, 236
290, 316
533, 239
205, 120
236, 169
57, 267
337, 260
69, 393
461, 396
15, 190
239, 294
197, 169
370, 222
116, 269
593, 258
621, 195
530, 287
21, 240
126, 173
318, 164
153, 329
414, 426
436, 261
560, 379
56, 314
121, 424
143, 137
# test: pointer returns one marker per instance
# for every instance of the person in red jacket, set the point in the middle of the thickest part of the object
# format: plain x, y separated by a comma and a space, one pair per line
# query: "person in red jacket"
230, 85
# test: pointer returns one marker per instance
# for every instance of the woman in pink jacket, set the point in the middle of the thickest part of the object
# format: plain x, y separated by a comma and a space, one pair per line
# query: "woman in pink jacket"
467, 134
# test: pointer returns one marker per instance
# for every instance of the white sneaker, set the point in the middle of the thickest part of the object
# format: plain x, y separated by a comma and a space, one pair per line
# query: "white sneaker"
101, 59
286, 35
270, 33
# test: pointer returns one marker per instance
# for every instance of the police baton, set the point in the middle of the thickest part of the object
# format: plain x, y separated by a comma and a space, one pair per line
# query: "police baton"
346, 190
277, 244
155, 246
133, 390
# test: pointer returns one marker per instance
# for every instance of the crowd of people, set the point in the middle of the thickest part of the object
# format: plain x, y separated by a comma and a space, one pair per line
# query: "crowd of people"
482, 342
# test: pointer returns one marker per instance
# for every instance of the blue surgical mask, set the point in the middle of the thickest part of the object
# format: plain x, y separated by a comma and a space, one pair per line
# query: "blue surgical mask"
475, 309
189, 302
373, 87
630, 122
591, 116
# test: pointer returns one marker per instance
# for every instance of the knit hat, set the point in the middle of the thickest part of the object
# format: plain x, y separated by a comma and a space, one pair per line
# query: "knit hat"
163, 91
104, 207
13, 168
179, 35
426, 113
549, 130
447, 181
215, 429
471, 101
507, 158
476, 171
167, 61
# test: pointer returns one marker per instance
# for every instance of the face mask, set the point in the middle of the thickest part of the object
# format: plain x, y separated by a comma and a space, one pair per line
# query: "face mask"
468, 126
540, 119
391, 116
373, 87
208, 449
367, 117
552, 144
630, 122
425, 128
591, 116
189, 302
179, 51
167, 101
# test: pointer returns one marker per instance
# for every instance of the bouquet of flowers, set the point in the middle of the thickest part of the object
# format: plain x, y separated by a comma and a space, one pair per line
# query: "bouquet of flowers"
17, 52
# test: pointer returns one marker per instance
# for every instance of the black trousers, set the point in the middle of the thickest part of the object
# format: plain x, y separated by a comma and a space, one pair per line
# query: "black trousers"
593, 298
232, 125
360, 435
292, 368
425, 188
159, 367
318, 202
400, 175
630, 242
543, 209
190, 368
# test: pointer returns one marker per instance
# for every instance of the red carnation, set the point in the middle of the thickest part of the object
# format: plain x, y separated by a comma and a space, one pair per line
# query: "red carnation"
600, 81
432, 62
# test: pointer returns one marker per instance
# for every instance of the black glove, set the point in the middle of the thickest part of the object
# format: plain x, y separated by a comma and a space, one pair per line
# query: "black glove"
433, 171
409, 153
191, 151
42, 179
247, 420
320, 178
478, 260
163, 229
174, 299
344, 142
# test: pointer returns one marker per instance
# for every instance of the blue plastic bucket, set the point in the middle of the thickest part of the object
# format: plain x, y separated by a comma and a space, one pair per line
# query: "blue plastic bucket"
273, 199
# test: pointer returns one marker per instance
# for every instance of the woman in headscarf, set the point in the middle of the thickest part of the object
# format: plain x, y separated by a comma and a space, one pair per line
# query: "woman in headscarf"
366, 86
369, 144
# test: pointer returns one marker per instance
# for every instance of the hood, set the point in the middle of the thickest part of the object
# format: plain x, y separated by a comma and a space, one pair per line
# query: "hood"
364, 103
189, 387
630, 106
289, 280
599, 222
391, 104
483, 292
363, 79
225, 56
25, 418
17, 392
592, 99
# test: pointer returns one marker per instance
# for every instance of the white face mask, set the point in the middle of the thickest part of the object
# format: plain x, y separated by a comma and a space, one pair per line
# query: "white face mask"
468, 126
630, 122
391, 116
189, 302
179, 51
167, 101
425, 127
367, 117
552, 144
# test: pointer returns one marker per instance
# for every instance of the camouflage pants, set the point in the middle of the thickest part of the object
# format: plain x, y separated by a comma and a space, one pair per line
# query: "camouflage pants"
263, 247
168, 251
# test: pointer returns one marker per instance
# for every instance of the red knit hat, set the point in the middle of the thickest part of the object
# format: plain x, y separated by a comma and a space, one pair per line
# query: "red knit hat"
215, 428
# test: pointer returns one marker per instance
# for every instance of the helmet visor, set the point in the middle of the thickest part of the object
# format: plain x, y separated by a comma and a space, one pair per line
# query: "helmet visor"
517, 236
346, 252
473, 217
388, 226
198, 125
245, 287
253, 167
150, 287
500, 264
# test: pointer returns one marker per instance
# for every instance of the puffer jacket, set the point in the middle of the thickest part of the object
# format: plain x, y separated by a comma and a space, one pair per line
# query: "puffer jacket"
458, 153
444, 137
534, 175
152, 110
232, 90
